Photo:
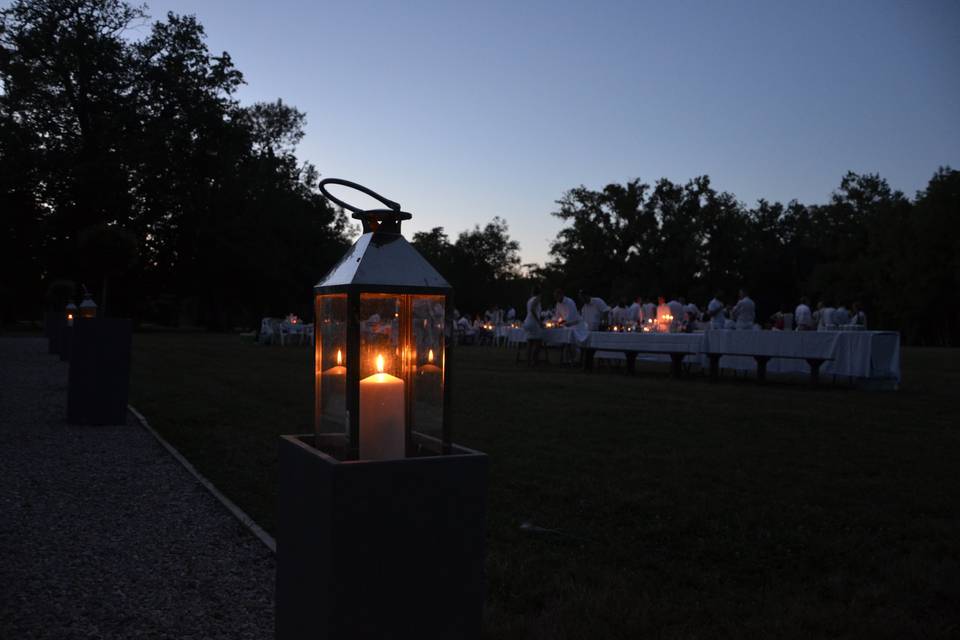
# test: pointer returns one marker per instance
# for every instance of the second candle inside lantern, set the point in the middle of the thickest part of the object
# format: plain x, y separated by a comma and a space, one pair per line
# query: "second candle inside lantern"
382, 434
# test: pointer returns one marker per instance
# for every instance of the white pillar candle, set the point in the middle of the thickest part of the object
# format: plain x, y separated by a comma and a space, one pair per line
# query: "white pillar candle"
381, 416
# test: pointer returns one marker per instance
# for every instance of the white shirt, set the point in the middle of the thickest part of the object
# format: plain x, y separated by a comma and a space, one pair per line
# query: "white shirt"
676, 310
566, 310
841, 316
718, 318
826, 319
618, 315
511, 313
803, 316
633, 313
593, 311
745, 313
692, 310
649, 312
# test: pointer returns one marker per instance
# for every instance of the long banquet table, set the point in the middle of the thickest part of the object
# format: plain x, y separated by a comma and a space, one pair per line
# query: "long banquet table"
872, 356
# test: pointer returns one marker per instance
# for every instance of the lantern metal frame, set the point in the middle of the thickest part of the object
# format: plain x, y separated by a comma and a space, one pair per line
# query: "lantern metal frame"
382, 261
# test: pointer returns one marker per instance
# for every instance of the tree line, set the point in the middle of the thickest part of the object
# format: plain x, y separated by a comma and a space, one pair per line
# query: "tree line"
128, 164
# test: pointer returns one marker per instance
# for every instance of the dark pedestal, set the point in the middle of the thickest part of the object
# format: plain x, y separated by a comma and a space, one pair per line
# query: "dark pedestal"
379, 549
99, 371
66, 342
54, 321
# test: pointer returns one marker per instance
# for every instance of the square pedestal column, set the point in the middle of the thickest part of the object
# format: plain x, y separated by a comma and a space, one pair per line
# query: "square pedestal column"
99, 371
380, 549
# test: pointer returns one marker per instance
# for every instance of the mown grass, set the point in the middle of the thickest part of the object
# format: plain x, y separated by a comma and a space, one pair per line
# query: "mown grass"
685, 508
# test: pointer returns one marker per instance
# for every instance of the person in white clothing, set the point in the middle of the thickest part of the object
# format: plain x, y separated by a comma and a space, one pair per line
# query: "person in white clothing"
802, 316
532, 327
618, 315
635, 310
841, 316
744, 312
858, 317
649, 312
511, 314
716, 313
691, 312
825, 317
676, 310
566, 310
594, 311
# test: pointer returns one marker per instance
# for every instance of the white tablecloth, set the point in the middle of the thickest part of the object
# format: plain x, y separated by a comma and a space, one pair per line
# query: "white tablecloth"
859, 354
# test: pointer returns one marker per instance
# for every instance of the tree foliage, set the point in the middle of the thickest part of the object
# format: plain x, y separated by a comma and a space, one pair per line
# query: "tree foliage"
106, 137
869, 244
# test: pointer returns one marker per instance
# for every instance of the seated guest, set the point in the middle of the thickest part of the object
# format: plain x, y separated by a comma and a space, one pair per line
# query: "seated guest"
635, 310
618, 315
716, 312
744, 312
858, 317
676, 310
802, 315
511, 314
841, 316
690, 311
649, 311
825, 317
594, 311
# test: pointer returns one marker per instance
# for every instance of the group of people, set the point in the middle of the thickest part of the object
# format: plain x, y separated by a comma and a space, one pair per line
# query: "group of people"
826, 317
594, 313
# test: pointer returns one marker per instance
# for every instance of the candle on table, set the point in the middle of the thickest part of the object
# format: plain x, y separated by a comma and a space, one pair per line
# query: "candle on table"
381, 416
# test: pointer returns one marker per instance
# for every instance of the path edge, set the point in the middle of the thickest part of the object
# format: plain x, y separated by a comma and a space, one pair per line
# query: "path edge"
237, 512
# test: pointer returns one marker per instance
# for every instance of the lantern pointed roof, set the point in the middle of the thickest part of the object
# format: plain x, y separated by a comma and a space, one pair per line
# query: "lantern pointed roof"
380, 261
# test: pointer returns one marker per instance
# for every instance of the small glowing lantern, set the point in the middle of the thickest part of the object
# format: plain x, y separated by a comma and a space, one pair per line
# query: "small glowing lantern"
381, 345
88, 308
664, 317
71, 311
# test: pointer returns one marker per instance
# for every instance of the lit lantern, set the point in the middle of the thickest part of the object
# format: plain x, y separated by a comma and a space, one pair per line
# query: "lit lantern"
88, 308
71, 311
380, 344
664, 317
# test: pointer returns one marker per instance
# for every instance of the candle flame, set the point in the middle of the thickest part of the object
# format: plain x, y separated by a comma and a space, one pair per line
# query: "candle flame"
430, 356
69, 316
379, 363
339, 358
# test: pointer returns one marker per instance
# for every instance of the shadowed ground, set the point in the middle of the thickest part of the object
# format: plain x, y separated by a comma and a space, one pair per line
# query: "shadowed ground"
103, 534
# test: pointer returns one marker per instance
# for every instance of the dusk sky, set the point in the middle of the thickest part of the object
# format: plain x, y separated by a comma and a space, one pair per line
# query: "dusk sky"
465, 111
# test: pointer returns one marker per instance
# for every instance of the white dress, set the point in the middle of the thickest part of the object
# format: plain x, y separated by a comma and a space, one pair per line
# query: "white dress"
531, 324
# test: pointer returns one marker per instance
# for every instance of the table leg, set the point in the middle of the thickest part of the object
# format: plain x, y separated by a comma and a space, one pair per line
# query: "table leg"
588, 358
631, 361
762, 367
815, 364
714, 366
676, 364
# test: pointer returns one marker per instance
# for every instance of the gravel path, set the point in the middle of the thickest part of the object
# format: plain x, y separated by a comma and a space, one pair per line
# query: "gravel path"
104, 535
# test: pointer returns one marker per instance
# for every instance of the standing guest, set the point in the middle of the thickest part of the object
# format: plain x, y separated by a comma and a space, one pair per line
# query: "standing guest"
745, 311
566, 310
594, 311
531, 325
841, 316
802, 315
825, 317
858, 317
716, 313
618, 315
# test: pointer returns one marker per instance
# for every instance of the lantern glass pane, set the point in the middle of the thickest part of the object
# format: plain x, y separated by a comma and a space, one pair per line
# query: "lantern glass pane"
384, 376
330, 364
428, 379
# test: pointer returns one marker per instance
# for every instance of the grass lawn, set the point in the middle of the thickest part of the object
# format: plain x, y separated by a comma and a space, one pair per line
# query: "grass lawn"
689, 509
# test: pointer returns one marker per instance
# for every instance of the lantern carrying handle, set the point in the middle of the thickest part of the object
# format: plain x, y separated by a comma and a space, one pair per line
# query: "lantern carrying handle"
387, 220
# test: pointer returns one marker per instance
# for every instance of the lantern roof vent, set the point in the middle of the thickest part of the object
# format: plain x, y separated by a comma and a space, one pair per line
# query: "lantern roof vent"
381, 259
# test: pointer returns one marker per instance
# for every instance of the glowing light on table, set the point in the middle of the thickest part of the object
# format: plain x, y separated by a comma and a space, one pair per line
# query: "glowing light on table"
381, 416
429, 367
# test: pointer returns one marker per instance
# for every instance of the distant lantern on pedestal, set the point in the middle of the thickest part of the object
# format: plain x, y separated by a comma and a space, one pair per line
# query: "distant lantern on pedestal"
88, 308
71, 312
381, 350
